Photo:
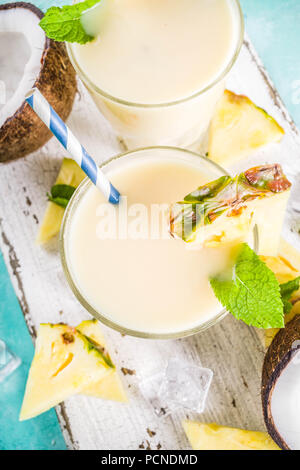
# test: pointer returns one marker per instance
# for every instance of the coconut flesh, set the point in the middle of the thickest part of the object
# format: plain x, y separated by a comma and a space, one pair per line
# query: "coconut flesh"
285, 404
22, 44
281, 387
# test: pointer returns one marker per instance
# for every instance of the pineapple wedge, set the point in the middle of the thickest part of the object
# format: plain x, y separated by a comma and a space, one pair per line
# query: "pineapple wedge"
65, 363
214, 437
238, 128
286, 267
226, 209
70, 173
109, 388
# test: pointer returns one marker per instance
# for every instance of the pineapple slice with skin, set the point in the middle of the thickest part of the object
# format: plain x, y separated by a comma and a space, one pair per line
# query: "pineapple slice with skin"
286, 267
111, 387
65, 362
225, 210
238, 128
71, 174
214, 437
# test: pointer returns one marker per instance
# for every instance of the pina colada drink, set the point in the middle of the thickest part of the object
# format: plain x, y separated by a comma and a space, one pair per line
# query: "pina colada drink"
121, 260
156, 67
156, 51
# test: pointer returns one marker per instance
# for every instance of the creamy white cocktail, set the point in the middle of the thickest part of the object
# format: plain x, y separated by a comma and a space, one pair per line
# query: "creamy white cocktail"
121, 261
156, 68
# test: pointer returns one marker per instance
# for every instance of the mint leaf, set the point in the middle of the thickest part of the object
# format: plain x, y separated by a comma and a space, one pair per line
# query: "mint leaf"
61, 194
286, 290
252, 294
63, 24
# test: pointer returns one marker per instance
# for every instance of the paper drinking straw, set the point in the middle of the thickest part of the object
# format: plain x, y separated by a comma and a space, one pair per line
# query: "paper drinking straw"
56, 125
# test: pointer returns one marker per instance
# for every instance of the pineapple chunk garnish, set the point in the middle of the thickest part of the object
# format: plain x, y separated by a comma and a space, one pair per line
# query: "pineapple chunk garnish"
286, 267
214, 437
65, 363
109, 388
225, 210
238, 128
71, 174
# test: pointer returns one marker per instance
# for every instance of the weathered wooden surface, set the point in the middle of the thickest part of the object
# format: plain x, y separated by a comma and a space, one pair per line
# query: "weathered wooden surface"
231, 349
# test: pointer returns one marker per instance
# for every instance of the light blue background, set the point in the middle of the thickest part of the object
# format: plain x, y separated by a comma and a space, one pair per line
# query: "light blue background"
273, 26
42, 432
274, 29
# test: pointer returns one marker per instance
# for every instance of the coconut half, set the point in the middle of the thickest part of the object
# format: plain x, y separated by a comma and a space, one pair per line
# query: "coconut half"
29, 59
281, 387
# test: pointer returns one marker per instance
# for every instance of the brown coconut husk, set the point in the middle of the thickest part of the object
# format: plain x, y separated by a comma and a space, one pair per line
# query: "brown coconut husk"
282, 350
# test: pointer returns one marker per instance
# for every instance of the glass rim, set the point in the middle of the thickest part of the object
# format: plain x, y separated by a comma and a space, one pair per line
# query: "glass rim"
78, 194
95, 89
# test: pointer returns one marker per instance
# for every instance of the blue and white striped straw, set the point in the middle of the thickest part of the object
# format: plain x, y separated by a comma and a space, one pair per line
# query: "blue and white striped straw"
56, 125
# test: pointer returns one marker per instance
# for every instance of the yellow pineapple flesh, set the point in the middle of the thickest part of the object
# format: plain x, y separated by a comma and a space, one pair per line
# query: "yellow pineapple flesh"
110, 387
71, 174
238, 128
65, 363
286, 267
269, 218
214, 437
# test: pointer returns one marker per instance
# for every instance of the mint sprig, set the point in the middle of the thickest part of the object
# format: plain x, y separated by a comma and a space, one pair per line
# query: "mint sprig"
63, 23
252, 292
61, 194
286, 290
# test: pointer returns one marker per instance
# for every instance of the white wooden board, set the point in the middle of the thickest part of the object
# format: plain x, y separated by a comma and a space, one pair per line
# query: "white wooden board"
231, 349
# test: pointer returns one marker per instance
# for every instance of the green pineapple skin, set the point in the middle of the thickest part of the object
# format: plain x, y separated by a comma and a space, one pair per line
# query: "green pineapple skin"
91, 346
97, 349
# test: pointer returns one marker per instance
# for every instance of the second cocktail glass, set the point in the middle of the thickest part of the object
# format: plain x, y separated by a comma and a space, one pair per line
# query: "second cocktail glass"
181, 122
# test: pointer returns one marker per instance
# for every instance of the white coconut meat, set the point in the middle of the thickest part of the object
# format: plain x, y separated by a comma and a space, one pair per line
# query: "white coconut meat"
22, 43
285, 403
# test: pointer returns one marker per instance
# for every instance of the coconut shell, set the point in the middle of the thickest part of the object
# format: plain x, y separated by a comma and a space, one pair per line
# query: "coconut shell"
282, 350
24, 132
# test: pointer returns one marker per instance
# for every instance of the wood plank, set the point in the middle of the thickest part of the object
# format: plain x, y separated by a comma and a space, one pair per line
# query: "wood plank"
231, 349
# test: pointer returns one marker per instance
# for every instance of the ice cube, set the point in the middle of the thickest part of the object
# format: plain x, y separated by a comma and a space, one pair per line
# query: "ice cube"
185, 385
181, 385
8, 361
150, 390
